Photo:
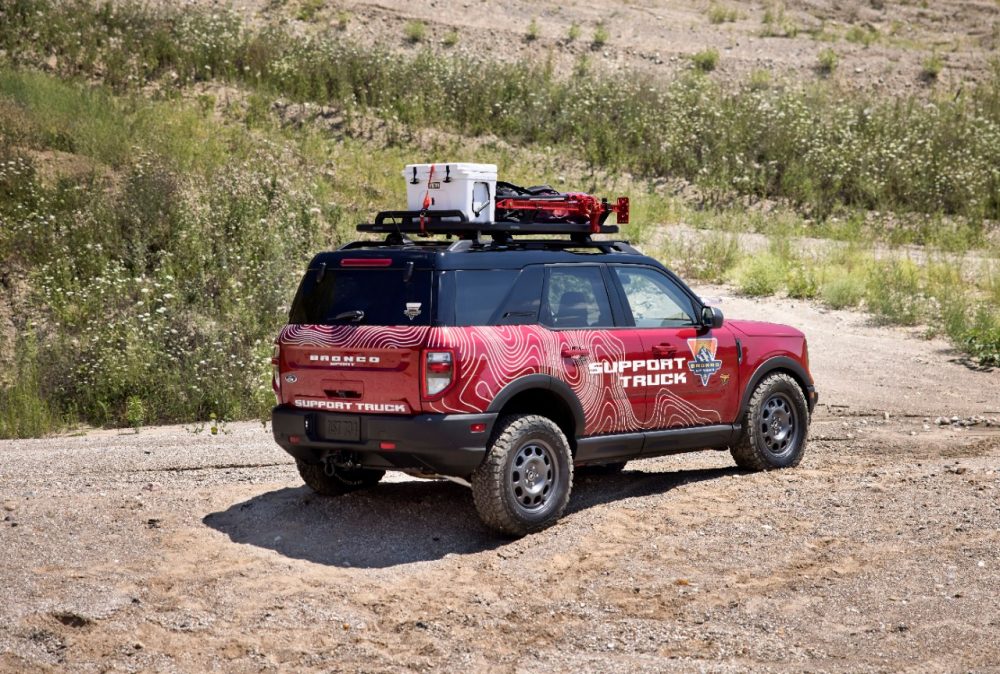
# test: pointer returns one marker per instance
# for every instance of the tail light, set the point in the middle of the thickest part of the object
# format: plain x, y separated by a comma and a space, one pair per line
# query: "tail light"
275, 372
439, 372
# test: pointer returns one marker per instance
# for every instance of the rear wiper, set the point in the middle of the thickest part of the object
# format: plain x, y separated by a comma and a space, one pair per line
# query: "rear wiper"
354, 315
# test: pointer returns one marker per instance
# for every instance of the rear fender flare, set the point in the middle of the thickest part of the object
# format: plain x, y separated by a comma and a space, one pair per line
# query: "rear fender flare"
545, 382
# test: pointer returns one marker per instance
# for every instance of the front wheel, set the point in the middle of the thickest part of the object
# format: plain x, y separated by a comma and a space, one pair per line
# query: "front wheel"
328, 480
775, 425
524, 483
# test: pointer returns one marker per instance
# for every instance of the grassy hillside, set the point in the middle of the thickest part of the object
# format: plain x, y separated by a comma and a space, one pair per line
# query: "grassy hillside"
157, 205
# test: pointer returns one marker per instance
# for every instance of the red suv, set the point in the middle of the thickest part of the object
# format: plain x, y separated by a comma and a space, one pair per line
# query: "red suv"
506, 361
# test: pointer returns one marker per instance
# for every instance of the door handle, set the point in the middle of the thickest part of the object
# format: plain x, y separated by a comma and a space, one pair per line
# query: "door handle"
664, 350
574, 352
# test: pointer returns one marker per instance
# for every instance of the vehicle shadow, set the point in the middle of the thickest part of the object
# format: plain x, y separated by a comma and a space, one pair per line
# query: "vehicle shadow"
404, 522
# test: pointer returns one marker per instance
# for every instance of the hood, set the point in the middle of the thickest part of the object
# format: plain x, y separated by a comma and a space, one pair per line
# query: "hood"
763, 329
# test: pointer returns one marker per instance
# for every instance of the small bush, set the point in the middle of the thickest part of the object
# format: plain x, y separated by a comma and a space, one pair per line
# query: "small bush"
760, 80
843, 289
894, 294
776, 24
982, 339
574, 32
450, 38
343, 18
759, 275
827, 62
864, 35
415, 31
721, 14
705, 61
801, 282
931, 68
135, 412
600, 37
308, 9
533, 31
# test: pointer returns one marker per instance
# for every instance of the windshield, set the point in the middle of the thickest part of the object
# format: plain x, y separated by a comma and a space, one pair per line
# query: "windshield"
363, 297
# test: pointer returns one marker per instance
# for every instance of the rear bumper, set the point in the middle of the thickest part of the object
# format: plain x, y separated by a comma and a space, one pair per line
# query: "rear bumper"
439, 443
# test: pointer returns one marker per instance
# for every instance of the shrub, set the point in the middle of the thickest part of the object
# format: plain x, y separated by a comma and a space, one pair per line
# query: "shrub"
414, 31
574, 32
864, 35
801, 282
533, 31
600, 37
842, 289
759, 275
931, 68
827, 61
705, 61
721, 14
894, 294
450, 38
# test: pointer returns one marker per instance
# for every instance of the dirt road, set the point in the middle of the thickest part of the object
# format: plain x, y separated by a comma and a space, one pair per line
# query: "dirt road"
173, 551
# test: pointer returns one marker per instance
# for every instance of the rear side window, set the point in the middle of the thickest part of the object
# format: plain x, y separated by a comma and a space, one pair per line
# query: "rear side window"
363, 297
655, 301
576, 297
498, 296
479, 293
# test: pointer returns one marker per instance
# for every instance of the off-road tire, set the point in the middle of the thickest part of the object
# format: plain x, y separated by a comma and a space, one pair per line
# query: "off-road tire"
601, 469
777, 404
524, 483
341, 482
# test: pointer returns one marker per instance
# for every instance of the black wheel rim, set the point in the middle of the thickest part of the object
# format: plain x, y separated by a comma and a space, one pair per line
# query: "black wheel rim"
779, 426
532, 477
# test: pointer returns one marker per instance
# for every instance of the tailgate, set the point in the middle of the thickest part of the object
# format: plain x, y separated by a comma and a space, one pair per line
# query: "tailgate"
353, 369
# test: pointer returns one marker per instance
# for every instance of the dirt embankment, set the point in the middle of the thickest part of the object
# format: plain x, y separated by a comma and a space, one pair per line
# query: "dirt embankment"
173, 551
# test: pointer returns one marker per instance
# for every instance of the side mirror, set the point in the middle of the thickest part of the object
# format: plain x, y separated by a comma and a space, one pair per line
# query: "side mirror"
711, 317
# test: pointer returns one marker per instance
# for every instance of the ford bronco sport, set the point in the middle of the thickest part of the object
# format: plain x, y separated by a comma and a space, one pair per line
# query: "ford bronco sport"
503, 360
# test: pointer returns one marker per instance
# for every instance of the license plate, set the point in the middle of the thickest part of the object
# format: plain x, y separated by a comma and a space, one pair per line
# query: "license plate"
344, 428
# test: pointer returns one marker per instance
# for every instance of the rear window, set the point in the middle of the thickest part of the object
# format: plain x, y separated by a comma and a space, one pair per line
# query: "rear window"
363, 297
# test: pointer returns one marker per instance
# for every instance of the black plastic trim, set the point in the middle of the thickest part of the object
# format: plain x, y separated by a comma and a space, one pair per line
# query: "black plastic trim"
439, 443
544, 382
674, 440
779, 363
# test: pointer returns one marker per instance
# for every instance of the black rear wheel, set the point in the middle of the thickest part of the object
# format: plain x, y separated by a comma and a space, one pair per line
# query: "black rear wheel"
524, 483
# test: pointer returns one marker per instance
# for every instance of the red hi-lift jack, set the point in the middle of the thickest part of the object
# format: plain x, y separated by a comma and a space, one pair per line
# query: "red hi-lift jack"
572, 207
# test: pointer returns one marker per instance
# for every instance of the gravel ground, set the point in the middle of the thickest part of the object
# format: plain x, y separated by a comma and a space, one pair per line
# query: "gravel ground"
173, 551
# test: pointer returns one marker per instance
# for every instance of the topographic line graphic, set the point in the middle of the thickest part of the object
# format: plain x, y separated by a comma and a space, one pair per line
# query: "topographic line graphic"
490, 358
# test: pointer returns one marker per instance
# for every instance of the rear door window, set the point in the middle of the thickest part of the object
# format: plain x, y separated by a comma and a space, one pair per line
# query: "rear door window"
363, 297
576, 297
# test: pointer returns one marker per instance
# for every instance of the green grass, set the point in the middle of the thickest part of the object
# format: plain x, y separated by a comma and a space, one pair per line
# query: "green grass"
415, 31
706, 61
533, 31
600, 37
826, 62
820, 147
722, 14
161, 233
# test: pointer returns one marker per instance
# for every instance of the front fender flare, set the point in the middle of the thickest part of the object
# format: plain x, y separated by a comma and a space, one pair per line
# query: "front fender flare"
774, 364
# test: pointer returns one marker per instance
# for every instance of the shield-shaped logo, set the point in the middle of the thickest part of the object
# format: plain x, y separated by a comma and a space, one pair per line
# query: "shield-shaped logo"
412, 309
704, 364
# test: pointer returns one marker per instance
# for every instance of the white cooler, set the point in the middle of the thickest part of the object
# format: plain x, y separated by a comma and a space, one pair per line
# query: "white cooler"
470, 188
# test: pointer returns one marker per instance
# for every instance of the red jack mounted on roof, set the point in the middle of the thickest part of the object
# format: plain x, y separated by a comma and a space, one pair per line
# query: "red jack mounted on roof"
573, 207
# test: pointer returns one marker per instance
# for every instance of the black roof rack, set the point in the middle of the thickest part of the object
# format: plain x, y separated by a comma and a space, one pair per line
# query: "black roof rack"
455, 223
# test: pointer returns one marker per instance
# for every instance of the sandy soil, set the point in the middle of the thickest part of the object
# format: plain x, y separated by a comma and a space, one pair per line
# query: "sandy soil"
173, 551
658, 36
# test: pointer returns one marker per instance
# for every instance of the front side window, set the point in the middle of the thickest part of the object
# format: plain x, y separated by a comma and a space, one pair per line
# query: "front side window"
655, 300
576, 297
